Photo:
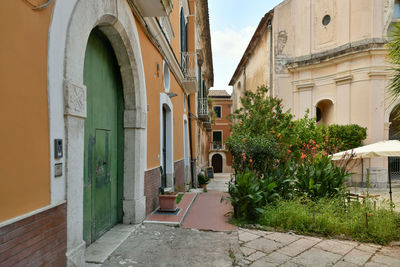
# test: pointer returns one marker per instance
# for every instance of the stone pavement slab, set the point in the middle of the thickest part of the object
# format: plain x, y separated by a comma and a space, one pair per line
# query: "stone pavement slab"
273, 259
264, 245
298, 247
282, 238
159, 245
316, 257
335, 246
358, 257
219, 182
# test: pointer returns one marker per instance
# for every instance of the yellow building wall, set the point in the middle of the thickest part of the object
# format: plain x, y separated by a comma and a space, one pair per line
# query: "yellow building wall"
24, 138
154, 86
257, 66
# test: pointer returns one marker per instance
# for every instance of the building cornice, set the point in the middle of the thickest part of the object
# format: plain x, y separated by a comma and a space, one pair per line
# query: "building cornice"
338, 52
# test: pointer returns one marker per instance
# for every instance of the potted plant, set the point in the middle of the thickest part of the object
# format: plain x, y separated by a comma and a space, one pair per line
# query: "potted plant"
203, 180
167, 200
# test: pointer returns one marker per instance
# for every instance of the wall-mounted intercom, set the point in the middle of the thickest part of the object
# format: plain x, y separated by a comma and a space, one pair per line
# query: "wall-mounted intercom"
58, 148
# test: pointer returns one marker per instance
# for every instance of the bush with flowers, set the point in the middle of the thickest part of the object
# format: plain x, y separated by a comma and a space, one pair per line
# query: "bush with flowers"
285, 157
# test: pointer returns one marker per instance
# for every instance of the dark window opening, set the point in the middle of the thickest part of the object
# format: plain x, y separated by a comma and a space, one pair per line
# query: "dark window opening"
218, 112
217, 140
319, 114
326, 20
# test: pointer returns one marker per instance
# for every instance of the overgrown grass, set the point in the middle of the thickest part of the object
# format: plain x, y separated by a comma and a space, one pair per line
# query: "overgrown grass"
179, 198
330, 217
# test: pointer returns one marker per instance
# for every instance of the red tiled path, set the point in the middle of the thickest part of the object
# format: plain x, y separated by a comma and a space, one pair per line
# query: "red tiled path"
184, 205
209, 213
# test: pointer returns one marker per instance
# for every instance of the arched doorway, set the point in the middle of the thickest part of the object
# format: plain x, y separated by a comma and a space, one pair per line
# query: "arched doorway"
166, 142
324, 112
104, 138
394, 134
216, 162
120, 28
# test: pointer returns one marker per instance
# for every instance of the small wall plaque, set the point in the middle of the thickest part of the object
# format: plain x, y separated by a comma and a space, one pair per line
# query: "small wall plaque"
58, 170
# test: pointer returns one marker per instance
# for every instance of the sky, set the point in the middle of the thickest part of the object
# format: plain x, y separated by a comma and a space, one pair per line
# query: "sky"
232, 24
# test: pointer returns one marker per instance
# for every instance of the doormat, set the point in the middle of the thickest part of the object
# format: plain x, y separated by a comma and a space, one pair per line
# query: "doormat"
176, 212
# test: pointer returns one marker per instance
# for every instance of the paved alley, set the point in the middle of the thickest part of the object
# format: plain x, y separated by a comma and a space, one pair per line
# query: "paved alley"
207, 239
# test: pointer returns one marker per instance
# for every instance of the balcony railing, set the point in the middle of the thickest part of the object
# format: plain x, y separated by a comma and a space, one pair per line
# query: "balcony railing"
217, 145
188, 66
203, 109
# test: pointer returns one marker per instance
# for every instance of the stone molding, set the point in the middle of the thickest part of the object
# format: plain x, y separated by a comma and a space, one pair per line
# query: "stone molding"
340, 51
115, 19
345, 79
74, 99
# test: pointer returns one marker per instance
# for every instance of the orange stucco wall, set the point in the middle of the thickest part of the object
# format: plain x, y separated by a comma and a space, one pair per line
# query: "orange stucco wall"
24, 138
154, 86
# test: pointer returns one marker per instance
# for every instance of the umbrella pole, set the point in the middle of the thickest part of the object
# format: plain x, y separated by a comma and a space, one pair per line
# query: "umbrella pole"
362, 172
390, 183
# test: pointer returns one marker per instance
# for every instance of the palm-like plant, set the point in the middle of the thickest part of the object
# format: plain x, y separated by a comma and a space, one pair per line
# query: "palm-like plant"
394, 56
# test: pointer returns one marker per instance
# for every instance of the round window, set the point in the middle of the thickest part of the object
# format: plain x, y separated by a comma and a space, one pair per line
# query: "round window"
326, 20
166, 77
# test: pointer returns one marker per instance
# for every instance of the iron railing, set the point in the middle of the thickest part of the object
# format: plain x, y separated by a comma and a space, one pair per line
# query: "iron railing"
217, 145
188, 64
394, 167
203, 107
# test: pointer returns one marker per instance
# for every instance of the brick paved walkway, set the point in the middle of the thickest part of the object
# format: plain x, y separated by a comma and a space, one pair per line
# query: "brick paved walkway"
209, 213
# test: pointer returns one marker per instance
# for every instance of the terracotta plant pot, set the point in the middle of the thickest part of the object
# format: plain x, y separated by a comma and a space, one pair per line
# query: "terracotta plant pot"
168, 202
203, 185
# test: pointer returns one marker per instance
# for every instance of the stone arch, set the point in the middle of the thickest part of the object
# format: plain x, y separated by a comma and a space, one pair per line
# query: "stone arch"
326, 107
222, 154
117, 23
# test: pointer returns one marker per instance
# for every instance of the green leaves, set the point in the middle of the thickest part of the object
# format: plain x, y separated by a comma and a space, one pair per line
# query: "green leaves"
394, 56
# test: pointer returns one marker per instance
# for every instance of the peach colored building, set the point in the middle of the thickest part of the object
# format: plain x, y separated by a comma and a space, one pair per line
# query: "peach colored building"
328, 57
100, 103
219, 157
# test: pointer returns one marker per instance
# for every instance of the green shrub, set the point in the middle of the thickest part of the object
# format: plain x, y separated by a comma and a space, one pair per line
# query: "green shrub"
345, 137
290, 155
248, 194
202, 179
330, 217
319, 178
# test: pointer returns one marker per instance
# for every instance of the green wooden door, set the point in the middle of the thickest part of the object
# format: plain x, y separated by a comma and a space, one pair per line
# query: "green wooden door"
104, 144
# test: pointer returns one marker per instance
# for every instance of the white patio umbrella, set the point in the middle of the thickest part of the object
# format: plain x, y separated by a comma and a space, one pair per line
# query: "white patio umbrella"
389, 148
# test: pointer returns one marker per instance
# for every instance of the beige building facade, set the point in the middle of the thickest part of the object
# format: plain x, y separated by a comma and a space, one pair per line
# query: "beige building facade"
328, 57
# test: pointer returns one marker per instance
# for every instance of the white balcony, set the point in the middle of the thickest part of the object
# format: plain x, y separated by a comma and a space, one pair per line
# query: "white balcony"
202, 109
217, 145
154, 8
188, 66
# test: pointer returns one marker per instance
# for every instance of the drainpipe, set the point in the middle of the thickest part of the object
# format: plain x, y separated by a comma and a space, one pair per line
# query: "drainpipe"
190, 140
269, 25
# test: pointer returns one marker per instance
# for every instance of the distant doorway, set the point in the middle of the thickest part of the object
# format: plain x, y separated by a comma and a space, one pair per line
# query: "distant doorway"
216, 162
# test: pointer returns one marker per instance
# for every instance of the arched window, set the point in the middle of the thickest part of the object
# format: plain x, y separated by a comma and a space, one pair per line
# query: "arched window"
324, 112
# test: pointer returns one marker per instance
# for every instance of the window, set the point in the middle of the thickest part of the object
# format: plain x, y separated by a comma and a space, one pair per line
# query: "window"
326, 20
217, 139
218, 112
166, 78
396, 11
